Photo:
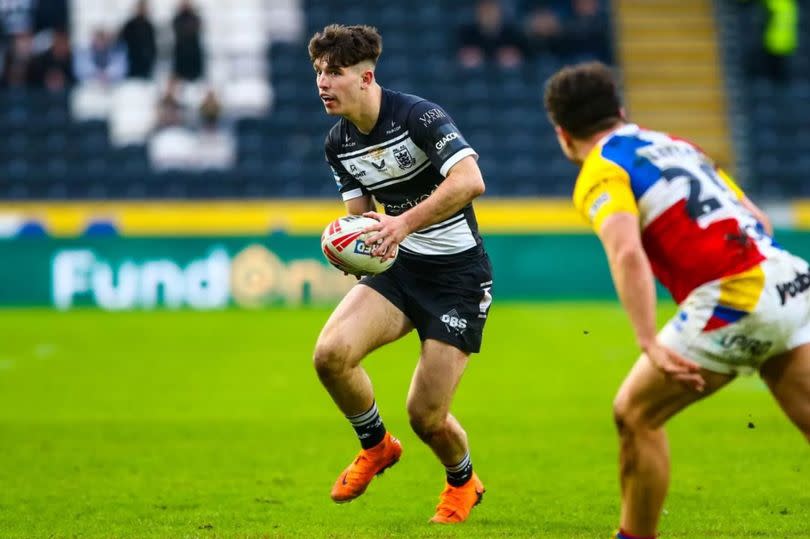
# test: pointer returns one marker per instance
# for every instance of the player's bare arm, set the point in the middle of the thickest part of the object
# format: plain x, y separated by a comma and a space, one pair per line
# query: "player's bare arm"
635, 286
359, 205
462, 185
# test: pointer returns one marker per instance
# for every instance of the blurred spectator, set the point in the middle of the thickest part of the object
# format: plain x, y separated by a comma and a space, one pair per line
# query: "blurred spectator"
178, 145
490, 38
585, 32
17, 61
17, 16
51, 14
210, 111
53, 69
104, 61
138, 34
171, 146
543, 24
777, 23
170, 112
188, 54
216, 146
4, 42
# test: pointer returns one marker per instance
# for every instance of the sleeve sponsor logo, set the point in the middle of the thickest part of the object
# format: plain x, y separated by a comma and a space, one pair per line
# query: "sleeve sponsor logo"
600, 201
445, 140
431, 116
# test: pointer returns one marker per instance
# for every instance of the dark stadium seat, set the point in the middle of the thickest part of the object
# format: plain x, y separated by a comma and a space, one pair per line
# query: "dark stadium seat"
48, 153
776, 114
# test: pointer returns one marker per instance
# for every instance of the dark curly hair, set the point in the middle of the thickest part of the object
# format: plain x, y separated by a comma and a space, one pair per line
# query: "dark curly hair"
343, 46
583, 99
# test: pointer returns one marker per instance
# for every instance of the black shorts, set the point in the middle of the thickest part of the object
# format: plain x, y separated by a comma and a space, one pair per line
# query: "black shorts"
448, 303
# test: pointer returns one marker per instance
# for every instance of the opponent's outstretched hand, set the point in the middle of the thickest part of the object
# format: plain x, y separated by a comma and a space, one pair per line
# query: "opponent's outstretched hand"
388, 234
676, 367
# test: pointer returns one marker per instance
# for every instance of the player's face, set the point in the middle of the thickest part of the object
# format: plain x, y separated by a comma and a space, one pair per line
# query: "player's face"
338, 87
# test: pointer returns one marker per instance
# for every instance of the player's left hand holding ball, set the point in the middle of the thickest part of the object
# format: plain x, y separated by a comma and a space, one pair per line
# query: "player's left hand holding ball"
389, 233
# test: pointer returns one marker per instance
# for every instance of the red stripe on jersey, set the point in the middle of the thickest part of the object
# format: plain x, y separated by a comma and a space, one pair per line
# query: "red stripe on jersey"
683, 255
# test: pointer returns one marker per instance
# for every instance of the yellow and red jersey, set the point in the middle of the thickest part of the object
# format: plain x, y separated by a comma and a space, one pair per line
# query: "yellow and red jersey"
694, 227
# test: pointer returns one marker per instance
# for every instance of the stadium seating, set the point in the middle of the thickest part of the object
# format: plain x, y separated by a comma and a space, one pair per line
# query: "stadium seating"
90, 144
771, 118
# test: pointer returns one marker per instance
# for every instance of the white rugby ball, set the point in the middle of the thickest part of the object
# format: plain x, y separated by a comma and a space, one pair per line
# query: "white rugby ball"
343, 245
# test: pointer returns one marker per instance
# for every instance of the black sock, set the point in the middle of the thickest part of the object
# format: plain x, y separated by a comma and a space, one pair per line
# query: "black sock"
368, 426
460, 473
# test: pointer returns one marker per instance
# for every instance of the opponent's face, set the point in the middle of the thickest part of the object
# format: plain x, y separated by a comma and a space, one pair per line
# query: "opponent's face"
340, 88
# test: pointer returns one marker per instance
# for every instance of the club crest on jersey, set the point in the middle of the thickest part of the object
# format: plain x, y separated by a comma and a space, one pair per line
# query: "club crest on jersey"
404, 158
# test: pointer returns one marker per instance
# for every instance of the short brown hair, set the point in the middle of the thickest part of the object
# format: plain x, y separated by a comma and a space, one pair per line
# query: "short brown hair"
343, 46
583, 99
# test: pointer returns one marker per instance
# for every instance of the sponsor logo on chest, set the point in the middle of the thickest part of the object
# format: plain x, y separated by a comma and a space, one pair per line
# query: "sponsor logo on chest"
383, 163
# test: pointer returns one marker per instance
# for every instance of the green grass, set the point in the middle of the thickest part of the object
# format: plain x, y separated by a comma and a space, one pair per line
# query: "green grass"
214, 425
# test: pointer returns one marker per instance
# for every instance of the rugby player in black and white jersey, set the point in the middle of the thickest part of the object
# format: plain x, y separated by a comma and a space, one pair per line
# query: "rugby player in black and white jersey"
405, 153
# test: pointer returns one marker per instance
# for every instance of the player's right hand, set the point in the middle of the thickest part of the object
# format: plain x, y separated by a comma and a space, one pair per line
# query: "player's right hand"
676, 367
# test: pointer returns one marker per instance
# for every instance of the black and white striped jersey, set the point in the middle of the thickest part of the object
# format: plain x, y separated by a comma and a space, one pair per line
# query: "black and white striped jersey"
401, 162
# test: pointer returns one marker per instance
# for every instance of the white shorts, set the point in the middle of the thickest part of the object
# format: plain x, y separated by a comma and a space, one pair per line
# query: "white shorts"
778, 321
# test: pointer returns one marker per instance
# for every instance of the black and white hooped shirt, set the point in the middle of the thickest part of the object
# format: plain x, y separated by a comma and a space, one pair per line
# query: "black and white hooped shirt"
400, 162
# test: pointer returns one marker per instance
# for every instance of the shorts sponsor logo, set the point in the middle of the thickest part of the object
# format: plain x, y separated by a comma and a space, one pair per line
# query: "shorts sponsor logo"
455, 324
745, 344
446, 139
793, 288
680, 320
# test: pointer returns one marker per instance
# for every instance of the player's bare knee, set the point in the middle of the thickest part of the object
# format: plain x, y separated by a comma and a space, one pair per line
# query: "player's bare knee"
331, 357
626, 417
426, 423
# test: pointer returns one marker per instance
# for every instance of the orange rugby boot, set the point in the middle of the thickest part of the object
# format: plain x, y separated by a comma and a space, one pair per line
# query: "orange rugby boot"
369, 462
455, 503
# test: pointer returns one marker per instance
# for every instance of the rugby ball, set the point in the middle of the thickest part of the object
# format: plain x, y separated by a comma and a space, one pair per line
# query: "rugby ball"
343, 244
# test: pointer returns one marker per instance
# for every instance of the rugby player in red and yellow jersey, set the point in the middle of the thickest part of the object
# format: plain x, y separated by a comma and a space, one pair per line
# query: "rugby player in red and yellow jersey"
663, 209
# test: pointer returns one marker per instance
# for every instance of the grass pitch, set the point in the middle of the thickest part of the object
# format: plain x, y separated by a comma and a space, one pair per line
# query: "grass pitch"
182, 424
